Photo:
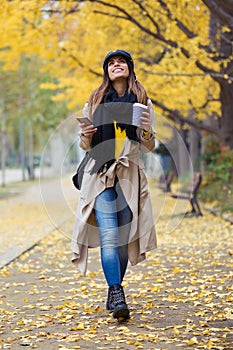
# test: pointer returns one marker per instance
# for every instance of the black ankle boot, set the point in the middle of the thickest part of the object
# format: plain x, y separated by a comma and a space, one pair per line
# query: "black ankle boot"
120, 310
109, 303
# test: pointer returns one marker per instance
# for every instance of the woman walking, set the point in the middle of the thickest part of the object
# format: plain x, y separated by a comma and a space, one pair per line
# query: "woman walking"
115, 209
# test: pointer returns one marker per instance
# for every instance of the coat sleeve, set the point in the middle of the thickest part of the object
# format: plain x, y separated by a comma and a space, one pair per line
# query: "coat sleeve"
147, 143
85, 141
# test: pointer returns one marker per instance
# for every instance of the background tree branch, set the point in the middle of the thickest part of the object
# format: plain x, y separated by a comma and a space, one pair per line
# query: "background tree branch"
222, 9
176, 116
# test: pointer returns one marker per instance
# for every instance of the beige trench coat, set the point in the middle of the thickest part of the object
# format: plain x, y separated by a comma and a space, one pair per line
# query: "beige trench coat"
129, 169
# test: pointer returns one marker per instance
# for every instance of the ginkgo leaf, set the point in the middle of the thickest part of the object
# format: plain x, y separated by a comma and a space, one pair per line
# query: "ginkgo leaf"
193, 341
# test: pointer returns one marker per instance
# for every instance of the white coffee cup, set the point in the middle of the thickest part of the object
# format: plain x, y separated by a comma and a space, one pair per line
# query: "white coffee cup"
138, 109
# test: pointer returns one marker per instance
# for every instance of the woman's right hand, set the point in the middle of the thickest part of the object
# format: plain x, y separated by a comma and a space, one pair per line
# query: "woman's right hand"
87, 130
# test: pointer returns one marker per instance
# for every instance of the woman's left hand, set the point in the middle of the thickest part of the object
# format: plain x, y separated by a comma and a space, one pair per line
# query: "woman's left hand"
145, 120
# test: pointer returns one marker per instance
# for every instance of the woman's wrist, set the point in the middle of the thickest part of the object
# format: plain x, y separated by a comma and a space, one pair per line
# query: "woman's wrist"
147, 135
146, 132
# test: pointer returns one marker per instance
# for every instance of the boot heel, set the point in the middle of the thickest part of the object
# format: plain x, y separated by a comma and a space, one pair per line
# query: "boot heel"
121, 312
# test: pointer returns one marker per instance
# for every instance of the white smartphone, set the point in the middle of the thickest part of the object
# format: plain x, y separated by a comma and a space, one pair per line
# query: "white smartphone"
84, 120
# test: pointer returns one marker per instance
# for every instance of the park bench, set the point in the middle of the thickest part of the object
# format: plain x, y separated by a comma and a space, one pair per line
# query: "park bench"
165, 182
189, 192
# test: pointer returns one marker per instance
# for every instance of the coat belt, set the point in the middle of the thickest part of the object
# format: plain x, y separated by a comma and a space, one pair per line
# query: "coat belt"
110, 174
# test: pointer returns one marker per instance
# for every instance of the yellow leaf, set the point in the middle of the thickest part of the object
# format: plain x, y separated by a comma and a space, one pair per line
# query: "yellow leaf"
229, 315
193, 341
80, 326
176, 331
137, 343
41, 325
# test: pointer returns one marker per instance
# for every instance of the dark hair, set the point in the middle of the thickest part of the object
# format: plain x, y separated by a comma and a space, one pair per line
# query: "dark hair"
133, 85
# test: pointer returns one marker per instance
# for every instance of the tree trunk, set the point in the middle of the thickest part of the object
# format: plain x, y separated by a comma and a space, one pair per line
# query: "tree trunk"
22, 146
184, 156
3, 148
179, 153
195, 149
226, 95
30, 165
227, 114
222, 17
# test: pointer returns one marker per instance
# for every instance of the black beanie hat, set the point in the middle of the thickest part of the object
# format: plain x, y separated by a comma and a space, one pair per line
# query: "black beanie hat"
122, 53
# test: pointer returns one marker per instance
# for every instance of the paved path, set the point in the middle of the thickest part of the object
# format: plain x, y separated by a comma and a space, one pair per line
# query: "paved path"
34, 210
180, 297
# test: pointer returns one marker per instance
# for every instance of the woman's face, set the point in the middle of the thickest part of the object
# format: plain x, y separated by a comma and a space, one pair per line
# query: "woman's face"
117, 68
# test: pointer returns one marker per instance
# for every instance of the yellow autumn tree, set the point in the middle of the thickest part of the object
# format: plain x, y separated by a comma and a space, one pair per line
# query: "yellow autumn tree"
175, 56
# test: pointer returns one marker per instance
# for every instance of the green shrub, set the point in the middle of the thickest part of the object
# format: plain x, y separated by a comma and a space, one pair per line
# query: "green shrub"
218, 162
222, 166
218, 185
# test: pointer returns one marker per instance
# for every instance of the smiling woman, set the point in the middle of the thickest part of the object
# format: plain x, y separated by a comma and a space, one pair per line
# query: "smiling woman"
115, 209
118, 71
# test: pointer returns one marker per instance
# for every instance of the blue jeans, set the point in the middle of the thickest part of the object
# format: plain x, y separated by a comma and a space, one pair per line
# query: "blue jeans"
113, 217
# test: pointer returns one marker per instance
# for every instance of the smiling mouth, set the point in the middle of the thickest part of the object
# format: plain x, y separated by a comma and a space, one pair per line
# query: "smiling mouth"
117, 70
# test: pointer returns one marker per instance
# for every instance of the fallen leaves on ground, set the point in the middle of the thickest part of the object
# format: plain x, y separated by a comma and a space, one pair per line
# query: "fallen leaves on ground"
180, 297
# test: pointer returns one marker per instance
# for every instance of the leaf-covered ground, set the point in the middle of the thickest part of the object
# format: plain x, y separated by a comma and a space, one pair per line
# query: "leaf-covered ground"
180, 297
32, 212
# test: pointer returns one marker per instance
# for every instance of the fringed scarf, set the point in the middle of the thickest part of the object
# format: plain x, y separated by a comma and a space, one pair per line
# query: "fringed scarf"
112, 108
